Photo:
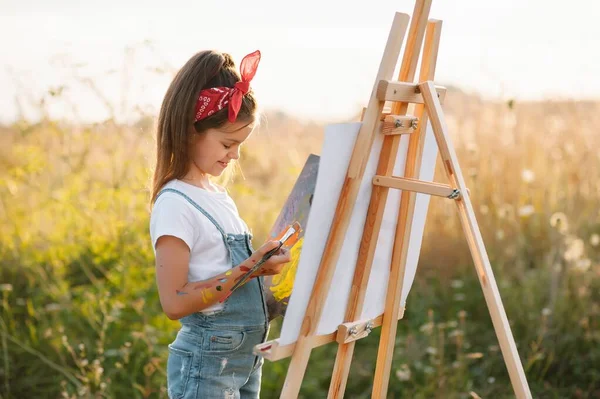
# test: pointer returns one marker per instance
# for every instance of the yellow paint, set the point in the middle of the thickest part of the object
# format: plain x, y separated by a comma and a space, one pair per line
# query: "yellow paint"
282, 283
228, 273
207, 295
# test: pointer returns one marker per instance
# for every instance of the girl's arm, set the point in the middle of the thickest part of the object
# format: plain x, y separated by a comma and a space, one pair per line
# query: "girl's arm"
179, 298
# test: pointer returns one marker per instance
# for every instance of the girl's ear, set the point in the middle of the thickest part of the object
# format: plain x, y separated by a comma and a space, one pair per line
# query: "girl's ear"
193, 135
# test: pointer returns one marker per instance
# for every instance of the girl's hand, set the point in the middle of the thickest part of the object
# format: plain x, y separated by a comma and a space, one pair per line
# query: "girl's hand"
275, 263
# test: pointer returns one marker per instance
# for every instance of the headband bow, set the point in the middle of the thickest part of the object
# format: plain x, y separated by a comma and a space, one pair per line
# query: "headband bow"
215, 99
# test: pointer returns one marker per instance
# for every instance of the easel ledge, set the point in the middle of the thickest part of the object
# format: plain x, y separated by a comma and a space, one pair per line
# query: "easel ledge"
271, 350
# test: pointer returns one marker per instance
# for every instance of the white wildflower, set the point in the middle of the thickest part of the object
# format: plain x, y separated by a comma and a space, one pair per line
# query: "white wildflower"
6, 287
431, 350
575, 250
474, 355
52, 307
546, 312
526, 211
459, 297
403, 373
457, 284
426, 328
505, 211
527, 175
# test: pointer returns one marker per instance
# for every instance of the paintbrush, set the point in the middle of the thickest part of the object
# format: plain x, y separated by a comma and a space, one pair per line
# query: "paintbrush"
294, 228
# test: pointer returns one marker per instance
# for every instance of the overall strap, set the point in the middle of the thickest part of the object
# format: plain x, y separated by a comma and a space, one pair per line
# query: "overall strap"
191, 201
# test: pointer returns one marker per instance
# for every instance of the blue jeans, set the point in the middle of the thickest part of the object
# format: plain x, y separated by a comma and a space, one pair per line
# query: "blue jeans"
214, 363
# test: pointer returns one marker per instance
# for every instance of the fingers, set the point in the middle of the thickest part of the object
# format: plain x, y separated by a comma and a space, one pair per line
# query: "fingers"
282, 256
268, 246
286, 254
276, 263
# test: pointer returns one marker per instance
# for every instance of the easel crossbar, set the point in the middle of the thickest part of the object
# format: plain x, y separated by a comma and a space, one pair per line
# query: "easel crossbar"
391, 90
414, 185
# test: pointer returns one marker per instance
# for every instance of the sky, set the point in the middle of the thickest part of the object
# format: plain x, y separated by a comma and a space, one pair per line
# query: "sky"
319, 58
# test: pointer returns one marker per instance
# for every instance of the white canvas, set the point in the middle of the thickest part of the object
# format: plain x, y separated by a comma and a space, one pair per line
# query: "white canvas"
335, 157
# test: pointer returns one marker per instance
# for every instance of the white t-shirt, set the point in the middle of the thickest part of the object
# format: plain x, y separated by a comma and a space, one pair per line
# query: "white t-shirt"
173, 215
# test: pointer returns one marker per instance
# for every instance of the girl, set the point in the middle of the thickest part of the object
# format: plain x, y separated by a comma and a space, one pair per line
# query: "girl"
202, 246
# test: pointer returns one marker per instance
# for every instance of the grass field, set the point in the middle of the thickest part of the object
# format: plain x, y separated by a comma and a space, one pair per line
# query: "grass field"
80, 315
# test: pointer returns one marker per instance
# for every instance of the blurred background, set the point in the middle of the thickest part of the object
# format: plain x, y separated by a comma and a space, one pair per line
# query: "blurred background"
81, 84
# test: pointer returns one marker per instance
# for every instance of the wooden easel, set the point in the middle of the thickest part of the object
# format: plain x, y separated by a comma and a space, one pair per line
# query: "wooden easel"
428, 99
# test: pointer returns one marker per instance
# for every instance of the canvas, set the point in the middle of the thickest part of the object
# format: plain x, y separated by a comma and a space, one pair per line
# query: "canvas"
296, 208
335, 157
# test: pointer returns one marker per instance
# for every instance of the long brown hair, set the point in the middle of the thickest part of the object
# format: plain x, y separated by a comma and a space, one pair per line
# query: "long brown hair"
174, 132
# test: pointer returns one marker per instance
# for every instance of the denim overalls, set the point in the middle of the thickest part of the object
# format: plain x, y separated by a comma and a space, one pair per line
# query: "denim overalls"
211, 356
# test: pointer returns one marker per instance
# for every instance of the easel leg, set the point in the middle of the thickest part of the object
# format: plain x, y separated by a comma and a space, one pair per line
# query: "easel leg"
475, 242
404, 227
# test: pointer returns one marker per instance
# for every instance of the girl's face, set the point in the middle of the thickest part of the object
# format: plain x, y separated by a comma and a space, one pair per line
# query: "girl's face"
215, 148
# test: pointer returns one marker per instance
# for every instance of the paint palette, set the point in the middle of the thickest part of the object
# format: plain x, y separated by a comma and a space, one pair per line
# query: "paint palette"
296, 208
